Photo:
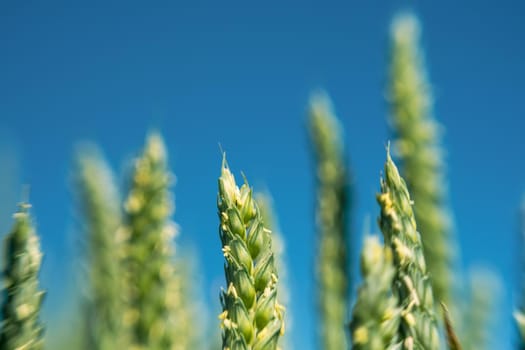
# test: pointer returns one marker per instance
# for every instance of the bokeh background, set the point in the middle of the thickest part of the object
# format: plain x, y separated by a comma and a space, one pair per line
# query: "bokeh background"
239, 74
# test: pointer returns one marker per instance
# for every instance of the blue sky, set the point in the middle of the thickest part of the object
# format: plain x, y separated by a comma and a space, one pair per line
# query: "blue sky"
239, 74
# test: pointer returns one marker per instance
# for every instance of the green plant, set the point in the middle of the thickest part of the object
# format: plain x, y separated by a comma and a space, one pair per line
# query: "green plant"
418, 326
100, 205
332, 270
21, 327
418, 146
152, 293
252, 318
376, 313
188, 310
265, 203
483, 290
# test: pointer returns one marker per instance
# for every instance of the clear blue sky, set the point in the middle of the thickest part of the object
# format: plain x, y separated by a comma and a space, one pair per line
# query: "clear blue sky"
239, 74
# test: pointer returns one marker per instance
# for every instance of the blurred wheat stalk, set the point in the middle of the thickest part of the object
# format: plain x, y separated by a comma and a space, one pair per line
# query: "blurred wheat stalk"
418, 147
100, 205
152, 294
331, 223
21, 327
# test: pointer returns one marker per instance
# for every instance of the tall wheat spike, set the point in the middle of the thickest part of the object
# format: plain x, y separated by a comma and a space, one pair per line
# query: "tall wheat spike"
21, 327
418, 146
479, 316
251, 318
376, 313
265, 202
418, 327
153, 294
331, 220
99, 204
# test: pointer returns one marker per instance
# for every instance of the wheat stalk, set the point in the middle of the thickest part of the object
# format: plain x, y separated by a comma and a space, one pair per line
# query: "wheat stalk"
21, 327
99, 203
418, 327
188, 311
152, 294
376, 314
265, 203
331, 221
251, 317
418, 146
480, 310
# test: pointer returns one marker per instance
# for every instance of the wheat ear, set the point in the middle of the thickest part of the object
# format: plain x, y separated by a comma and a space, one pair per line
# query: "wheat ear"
332, 271
417, 144
418, 327
376, 313
152, 294
252, 318
99, 204
21, 327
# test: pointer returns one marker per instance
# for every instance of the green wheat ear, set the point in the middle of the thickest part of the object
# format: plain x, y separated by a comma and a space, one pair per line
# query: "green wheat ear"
265, 203
479, 313
99, 203
418, 327
252, 318
331, 220
418, 146
376, 314
152, 293
21, 327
